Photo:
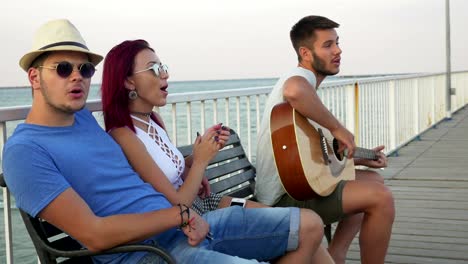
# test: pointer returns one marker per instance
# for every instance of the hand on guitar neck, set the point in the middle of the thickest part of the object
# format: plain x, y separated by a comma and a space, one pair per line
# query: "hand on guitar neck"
359, 153
378, 162
373, 157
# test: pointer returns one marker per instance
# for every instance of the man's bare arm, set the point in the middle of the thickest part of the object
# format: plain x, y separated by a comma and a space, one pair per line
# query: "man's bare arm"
303, 97
70, 213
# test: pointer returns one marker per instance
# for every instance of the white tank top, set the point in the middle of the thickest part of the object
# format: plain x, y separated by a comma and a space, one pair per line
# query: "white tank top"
163, 152
268, 189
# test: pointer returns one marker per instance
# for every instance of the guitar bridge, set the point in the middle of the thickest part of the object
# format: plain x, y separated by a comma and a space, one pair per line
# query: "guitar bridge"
323, 146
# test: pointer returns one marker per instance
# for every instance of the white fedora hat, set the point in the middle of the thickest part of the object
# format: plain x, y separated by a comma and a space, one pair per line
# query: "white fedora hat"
57, 35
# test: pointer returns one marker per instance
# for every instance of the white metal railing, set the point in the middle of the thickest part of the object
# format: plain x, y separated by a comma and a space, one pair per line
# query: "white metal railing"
384, 110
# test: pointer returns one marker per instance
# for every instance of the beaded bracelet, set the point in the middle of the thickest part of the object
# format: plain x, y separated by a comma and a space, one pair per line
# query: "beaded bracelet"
183, 223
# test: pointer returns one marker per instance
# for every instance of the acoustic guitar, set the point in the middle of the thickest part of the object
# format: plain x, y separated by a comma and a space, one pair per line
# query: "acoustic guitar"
306, 155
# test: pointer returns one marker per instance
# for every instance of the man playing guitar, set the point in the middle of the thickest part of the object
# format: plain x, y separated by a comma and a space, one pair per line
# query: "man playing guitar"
364, 204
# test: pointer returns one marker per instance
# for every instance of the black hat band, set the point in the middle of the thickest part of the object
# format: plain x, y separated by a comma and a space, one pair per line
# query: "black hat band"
65, 43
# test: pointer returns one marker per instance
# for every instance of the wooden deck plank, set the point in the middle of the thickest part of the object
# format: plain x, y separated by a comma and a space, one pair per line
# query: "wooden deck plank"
439, 162
410, 259
401, 223
433, 195
429, 245
439, 211
437, 204
433, 184
424, 252
414, 219
437, 194
433, 190
431, 232
433, 239
441, 174
433, 214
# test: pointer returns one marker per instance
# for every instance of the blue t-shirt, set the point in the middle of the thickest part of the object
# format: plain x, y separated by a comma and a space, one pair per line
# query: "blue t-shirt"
41, 162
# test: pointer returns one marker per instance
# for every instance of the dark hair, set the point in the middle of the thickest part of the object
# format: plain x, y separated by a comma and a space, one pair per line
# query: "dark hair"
305, 28
118, 65
39, 61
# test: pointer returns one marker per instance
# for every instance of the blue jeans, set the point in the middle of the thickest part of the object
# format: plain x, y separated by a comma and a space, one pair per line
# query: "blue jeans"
239, 236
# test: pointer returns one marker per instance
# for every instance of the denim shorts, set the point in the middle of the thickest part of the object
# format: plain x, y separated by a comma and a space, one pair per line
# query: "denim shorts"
240, 236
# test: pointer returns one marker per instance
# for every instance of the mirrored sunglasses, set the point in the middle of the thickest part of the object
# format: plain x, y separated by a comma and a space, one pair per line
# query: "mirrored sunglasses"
157, 68
65, 69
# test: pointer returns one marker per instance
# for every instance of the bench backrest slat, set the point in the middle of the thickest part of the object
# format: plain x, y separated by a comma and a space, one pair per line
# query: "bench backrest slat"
229, 153
243, 192
235, 165
229, 172
245, 178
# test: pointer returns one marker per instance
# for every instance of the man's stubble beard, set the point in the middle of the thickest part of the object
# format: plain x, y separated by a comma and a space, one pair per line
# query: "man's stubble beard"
319, 66
58, 108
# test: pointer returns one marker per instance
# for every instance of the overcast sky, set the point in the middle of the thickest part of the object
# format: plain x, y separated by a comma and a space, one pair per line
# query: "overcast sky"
221, 39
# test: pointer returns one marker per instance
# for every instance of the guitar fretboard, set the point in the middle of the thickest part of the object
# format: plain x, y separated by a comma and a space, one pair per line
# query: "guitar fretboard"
363, 153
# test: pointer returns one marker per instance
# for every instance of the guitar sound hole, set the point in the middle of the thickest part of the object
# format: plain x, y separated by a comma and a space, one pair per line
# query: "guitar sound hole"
339, 156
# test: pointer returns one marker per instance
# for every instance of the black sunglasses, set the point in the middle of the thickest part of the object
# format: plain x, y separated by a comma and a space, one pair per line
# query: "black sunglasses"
65, 69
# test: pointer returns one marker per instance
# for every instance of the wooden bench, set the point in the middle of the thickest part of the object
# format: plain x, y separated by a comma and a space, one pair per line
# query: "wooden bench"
230, 173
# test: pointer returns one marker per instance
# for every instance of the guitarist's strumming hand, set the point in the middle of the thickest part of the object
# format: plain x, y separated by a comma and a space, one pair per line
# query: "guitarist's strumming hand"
346, 140
381, 161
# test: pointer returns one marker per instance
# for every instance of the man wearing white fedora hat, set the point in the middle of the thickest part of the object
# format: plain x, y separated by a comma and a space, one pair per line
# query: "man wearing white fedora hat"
83, 184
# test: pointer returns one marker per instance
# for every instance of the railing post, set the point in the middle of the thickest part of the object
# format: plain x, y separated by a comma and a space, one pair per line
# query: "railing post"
356, 114
202, 116
189, 123
448, 73
351, 108
257, 112
465, 89
226, 111
239, 132
8, 226
416, 106
215, 111
6, 204
174, 123
392, 115
249, 140
433, 98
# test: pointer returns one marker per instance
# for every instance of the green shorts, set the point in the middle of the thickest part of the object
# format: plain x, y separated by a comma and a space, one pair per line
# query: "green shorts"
329, 208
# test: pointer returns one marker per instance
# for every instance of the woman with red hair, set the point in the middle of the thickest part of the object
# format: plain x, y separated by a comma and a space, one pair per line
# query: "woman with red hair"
134, 82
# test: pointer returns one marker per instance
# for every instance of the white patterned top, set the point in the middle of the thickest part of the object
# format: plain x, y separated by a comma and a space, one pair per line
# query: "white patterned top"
163, 152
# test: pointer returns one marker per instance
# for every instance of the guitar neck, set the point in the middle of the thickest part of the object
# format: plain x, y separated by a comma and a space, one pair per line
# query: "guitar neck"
360, 153
363, 153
